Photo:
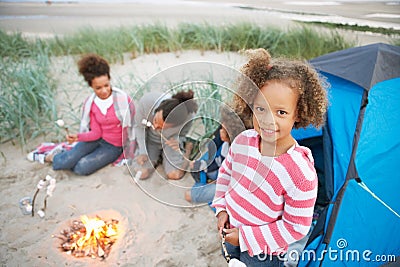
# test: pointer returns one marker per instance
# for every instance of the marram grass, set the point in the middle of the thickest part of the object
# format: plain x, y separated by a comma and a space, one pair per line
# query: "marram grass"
27, 103
299, 42
26, 100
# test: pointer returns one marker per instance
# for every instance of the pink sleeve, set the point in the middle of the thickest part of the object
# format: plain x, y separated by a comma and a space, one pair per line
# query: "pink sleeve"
95, 132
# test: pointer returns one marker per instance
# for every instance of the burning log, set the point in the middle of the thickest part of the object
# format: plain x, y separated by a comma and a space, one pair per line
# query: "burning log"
89, 237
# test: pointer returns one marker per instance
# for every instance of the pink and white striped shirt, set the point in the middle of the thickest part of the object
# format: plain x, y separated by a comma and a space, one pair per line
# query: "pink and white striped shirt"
270, 199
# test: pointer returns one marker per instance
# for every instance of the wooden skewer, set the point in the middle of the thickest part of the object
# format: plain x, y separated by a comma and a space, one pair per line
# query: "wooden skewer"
149, 124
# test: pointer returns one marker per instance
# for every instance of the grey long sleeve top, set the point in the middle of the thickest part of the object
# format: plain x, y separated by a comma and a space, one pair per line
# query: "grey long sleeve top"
145, 110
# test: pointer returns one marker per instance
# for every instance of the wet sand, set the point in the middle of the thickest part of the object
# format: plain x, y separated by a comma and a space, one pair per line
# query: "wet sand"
40, 19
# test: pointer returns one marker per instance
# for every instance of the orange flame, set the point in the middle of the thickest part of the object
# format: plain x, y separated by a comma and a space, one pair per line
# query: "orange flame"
94, 239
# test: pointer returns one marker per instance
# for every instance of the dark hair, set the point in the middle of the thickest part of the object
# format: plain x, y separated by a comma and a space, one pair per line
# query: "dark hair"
232, 122
92, 66
177, 108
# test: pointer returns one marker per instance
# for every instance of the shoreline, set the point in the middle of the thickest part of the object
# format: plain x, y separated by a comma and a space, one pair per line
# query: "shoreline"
48, 20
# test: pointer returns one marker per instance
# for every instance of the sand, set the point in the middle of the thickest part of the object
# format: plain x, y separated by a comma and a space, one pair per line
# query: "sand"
40, 19
157, 226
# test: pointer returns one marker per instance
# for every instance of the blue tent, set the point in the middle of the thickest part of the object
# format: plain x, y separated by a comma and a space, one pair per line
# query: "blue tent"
357, 157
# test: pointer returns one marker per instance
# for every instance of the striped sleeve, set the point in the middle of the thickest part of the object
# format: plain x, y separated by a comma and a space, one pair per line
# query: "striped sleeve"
299, 198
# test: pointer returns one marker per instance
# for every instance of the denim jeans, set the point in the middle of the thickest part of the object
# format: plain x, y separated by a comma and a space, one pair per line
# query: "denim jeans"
87, 157
202, 193
261, 260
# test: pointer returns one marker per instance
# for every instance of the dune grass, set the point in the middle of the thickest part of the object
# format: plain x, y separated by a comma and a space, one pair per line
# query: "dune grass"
396, 42
301, 42
356, 27
27, 98
27, 104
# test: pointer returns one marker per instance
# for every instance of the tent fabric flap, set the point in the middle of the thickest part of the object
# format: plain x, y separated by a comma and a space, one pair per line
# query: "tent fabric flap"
364, 66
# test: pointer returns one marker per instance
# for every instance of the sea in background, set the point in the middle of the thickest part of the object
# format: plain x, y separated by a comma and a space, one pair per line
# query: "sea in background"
95, 1
312, 2
176, 1
376, 14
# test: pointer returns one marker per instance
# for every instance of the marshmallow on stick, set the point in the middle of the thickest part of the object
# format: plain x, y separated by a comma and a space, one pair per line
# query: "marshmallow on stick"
61, 123
149, 124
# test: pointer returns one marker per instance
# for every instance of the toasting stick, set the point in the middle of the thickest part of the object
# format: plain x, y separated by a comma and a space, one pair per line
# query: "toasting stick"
61, 123
149, 124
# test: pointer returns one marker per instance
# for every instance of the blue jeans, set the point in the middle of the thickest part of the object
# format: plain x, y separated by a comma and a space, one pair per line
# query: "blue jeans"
204, 193
261, 260
87, 157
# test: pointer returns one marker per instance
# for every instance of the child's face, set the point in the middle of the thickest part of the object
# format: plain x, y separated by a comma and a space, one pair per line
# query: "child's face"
223, 134
159, 123
275, 121
101, 86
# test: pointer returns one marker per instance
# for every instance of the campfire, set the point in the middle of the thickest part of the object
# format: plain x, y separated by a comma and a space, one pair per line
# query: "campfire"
89, 237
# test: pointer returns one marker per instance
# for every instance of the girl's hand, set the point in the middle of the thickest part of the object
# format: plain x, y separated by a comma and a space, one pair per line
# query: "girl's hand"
223, 220
141, 159
173, 143
231, 236
71, 138
191, 164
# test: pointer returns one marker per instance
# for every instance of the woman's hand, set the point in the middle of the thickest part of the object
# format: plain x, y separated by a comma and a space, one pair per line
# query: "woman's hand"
231, 236
71, 138
141, 159
191, 164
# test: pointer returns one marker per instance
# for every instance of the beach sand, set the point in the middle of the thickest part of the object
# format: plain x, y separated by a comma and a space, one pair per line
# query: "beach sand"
40, 19
157, 226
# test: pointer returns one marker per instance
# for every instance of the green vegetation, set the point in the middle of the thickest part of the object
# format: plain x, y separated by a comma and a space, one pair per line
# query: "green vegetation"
27, 105
27, 98
15, 47
396, 42
157, 38
356, 27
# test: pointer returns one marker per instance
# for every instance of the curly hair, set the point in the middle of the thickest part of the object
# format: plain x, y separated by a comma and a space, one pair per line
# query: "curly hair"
92, 66
298, 75
187, 98
232, 122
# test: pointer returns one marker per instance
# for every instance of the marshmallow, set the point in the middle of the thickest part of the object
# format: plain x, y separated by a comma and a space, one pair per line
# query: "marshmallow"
60, 123
41, 213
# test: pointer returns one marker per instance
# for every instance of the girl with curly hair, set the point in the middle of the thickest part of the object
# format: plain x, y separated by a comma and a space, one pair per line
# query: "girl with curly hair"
267, 184
106, 126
